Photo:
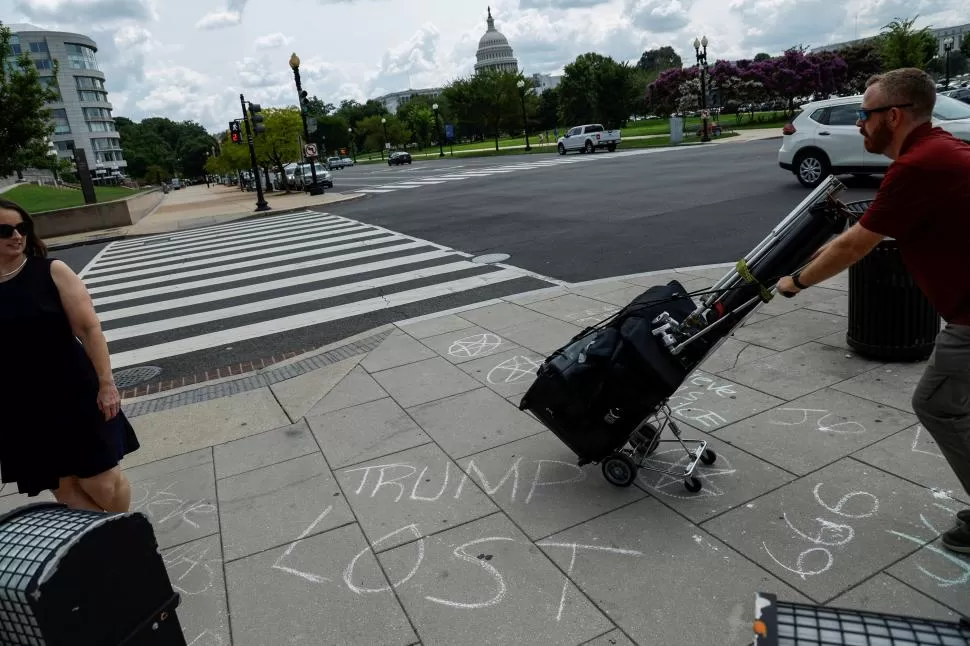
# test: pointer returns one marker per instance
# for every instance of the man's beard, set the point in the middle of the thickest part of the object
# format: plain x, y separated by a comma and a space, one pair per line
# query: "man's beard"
879, 140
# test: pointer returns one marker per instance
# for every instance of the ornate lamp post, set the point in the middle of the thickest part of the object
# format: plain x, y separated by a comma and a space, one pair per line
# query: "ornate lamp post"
702, 64
525, 122
353, 149
314, 188
441, 148
947, 47
384, 145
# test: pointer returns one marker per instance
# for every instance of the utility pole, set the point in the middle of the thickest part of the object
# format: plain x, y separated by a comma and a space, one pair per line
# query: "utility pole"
261, 204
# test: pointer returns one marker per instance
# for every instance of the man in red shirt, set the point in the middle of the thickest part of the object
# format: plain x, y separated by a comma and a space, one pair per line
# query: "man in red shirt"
924, 203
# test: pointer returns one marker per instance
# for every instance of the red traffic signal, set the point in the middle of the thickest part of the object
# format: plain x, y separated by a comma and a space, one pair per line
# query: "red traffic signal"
234, 133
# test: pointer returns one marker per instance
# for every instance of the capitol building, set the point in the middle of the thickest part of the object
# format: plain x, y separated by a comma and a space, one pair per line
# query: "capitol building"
494, 51
494, 54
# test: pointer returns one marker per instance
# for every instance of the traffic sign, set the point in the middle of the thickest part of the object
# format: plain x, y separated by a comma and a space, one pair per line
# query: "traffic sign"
310, 150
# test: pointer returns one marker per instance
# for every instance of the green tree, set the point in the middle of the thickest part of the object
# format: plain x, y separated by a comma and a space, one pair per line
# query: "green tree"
182, 148
596, 89
279, 144
965, 45
863, 60
658, 60
762, 56
371, 131
901, 45
468, 112
25, 126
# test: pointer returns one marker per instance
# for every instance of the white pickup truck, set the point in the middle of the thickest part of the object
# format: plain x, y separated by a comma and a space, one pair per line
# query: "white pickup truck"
589, 138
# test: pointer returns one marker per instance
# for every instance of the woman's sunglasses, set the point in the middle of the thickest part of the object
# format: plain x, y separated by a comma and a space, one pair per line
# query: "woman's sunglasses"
6, 230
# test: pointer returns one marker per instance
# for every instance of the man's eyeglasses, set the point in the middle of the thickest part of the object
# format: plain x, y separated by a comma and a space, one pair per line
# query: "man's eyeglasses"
864, 114
6, 230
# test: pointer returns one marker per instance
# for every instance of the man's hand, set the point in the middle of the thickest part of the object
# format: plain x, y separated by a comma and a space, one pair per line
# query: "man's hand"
786, 287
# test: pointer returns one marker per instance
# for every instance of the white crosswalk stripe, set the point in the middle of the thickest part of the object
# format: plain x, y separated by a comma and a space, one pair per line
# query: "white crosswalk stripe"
170, 295
453, 175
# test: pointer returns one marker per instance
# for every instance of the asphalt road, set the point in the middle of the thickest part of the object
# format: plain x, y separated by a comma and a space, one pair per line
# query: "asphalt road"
610, 215
602, 218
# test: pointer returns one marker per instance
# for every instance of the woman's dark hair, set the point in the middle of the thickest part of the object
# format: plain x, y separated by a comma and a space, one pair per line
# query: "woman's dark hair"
35, 246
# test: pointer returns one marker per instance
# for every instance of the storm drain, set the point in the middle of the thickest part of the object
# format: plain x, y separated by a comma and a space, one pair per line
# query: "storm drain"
133, 376
491, 258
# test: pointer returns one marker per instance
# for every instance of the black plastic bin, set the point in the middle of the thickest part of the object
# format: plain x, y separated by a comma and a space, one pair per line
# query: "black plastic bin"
890, 318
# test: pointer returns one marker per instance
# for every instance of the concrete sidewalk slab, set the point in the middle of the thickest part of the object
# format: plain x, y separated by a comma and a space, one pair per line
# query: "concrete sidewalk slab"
399, 496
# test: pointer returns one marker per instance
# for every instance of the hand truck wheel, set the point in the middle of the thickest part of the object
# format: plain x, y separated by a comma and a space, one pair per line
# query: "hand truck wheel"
708, 456
693, 484
619, 470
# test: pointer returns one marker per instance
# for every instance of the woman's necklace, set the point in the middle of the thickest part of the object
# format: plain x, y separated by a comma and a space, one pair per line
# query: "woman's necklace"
19, 267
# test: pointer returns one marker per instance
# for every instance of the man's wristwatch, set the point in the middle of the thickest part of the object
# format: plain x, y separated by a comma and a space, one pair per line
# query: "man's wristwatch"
798, 283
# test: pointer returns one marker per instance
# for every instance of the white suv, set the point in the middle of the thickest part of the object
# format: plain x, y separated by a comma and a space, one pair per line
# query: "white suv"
823, 138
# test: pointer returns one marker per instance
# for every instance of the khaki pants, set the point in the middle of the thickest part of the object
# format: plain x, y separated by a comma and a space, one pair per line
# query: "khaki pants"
942, 398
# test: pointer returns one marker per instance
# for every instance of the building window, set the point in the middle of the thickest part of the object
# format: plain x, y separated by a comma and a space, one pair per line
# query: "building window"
64, 146
81, 57
38, 48
101, 126
106, 144
89, 83
61, 125
43, 64
93, 95
50, 83
110, 156
97, 114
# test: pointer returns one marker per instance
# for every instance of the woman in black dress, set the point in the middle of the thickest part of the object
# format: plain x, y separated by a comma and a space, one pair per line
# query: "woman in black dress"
62, 427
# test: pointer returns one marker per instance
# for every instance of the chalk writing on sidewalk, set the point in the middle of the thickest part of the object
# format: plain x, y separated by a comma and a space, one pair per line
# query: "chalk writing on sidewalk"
817, 417
399, 481
575, 547
939, 557
208, 638
191, 570
474, 346
930, 447
696, 388
163, 505
829, 533
673, 486
513, 370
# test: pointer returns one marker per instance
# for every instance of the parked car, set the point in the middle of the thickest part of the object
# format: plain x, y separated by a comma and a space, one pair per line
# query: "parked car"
589, 138
398, 158
336, 163
960, 94
823, 138
299, 176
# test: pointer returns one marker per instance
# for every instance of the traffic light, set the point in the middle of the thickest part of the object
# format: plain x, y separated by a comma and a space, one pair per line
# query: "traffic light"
234, 134
304, 102
254, 111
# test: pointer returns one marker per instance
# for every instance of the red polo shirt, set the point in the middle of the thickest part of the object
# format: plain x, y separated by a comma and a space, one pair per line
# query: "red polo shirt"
924, 203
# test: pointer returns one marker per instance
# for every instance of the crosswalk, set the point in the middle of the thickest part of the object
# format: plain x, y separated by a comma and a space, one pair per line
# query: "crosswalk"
173, 294
487, 171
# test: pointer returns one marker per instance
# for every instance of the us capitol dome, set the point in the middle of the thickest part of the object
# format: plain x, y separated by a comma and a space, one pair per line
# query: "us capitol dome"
494, 51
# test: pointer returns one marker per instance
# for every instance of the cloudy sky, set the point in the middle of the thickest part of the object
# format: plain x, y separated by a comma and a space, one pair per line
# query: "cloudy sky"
190, 59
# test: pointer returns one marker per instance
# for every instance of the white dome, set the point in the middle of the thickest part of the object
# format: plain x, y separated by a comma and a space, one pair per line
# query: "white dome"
494, 51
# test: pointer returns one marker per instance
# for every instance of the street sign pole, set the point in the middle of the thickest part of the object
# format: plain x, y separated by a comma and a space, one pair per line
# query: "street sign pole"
261, 204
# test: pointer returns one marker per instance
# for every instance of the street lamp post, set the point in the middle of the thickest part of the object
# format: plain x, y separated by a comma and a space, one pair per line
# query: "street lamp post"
384, 143
525, 123
441, 148
947, 46
353, 148
702, 64
315, 188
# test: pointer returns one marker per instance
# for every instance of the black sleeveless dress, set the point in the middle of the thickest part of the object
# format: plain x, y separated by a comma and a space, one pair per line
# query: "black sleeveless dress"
50, 423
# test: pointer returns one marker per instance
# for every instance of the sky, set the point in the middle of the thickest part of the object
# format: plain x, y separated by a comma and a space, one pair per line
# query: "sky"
190, 59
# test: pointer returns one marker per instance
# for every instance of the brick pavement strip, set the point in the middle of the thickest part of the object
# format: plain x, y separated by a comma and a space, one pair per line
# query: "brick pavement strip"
410, 501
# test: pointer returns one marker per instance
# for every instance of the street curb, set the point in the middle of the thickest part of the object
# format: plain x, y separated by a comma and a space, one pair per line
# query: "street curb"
81, 243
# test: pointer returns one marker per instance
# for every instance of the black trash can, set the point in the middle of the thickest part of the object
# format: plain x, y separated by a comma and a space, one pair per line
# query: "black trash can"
890, 318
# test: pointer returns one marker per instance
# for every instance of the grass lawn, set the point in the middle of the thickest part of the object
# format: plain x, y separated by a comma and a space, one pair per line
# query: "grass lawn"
36, 198
652, 127
550, 149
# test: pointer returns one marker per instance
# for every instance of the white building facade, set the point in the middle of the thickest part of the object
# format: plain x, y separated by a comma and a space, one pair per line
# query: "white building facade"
82, 115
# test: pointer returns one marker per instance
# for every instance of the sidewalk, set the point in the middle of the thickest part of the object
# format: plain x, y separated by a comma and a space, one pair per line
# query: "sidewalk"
197, 206
387, 490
